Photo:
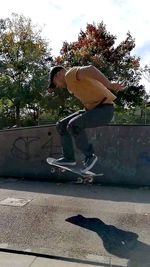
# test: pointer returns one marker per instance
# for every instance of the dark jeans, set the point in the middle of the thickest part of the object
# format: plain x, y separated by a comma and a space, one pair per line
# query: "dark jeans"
75, 124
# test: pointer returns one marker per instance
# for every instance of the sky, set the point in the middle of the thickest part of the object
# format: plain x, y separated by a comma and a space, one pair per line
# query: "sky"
62, 20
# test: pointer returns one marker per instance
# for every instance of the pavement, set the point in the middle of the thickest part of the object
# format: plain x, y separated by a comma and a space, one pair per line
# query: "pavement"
15, 260
62, 224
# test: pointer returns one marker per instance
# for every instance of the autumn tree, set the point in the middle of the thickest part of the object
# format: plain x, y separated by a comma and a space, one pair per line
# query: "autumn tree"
23, 74
97, 46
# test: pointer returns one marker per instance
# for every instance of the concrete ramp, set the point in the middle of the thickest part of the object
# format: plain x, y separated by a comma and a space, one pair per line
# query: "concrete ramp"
123, 150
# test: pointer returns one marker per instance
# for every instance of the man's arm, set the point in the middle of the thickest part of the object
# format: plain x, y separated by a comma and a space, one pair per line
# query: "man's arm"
93, 73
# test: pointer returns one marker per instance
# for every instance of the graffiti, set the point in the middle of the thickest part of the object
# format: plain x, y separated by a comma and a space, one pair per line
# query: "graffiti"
22, 147
30, 147
52, 149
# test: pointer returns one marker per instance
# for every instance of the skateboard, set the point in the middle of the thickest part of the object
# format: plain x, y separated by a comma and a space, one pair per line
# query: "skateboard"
84, 177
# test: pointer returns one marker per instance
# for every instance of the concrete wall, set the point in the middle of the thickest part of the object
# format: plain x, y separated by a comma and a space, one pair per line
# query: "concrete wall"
124, 153
24, 150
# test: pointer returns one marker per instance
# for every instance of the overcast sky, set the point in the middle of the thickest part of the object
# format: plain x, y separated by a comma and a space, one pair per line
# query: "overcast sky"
63, 19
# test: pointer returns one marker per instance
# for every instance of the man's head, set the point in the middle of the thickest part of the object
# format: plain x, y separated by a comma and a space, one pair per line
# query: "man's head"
56, 78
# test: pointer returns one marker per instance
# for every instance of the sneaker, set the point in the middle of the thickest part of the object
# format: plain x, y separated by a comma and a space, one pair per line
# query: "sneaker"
89, 162
64, 161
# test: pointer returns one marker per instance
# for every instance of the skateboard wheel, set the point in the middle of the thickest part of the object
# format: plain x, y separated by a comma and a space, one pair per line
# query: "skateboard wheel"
88, 180
91, 180
79, 180
52, 170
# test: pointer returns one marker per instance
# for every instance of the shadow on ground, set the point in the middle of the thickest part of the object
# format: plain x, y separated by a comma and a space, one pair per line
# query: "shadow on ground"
123, 244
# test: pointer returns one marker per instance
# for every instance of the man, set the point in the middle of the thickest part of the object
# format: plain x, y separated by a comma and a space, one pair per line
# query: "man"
92, 88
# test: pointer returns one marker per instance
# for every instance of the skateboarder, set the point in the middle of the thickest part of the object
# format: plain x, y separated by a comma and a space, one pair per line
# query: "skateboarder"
93, 89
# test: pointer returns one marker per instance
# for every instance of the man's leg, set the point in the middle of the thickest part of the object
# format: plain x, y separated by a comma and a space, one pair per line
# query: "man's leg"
66, 139
90, 119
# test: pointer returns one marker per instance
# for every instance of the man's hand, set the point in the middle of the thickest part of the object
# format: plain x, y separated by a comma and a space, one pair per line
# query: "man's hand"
117, 87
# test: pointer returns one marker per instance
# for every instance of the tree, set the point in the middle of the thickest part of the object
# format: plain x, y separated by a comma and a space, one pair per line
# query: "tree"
97, 46
146, 72
23, 76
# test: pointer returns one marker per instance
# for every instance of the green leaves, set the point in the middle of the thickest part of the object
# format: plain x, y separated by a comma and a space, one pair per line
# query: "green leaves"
22, 51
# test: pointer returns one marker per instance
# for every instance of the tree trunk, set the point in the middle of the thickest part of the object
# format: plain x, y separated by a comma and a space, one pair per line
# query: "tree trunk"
18, 114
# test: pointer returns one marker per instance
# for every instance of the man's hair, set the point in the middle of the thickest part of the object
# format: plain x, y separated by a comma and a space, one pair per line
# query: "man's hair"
53, 71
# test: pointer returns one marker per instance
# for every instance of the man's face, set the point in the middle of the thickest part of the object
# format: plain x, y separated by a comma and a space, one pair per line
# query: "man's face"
58, 81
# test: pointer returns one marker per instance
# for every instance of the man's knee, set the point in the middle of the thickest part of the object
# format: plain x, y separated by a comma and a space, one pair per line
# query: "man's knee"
61, 128
73, 129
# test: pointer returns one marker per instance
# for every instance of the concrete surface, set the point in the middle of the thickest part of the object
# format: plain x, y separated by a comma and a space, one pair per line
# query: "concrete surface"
123, 152
15, 260
79, 224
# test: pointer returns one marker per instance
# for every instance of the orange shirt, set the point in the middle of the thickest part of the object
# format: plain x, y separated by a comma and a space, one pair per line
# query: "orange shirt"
89, 91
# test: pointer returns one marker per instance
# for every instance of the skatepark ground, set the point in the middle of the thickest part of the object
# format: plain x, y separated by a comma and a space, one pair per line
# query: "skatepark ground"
62, 224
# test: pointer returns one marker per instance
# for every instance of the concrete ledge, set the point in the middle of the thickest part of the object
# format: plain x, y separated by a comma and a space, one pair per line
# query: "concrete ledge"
123, 150
20, 260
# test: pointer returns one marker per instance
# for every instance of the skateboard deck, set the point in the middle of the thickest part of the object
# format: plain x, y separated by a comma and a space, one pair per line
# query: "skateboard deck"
84, 177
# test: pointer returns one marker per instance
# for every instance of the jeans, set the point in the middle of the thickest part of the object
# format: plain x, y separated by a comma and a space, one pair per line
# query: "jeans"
74, 126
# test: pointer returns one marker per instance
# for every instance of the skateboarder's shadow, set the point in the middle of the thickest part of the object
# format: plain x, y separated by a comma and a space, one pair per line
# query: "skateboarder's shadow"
123, 244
